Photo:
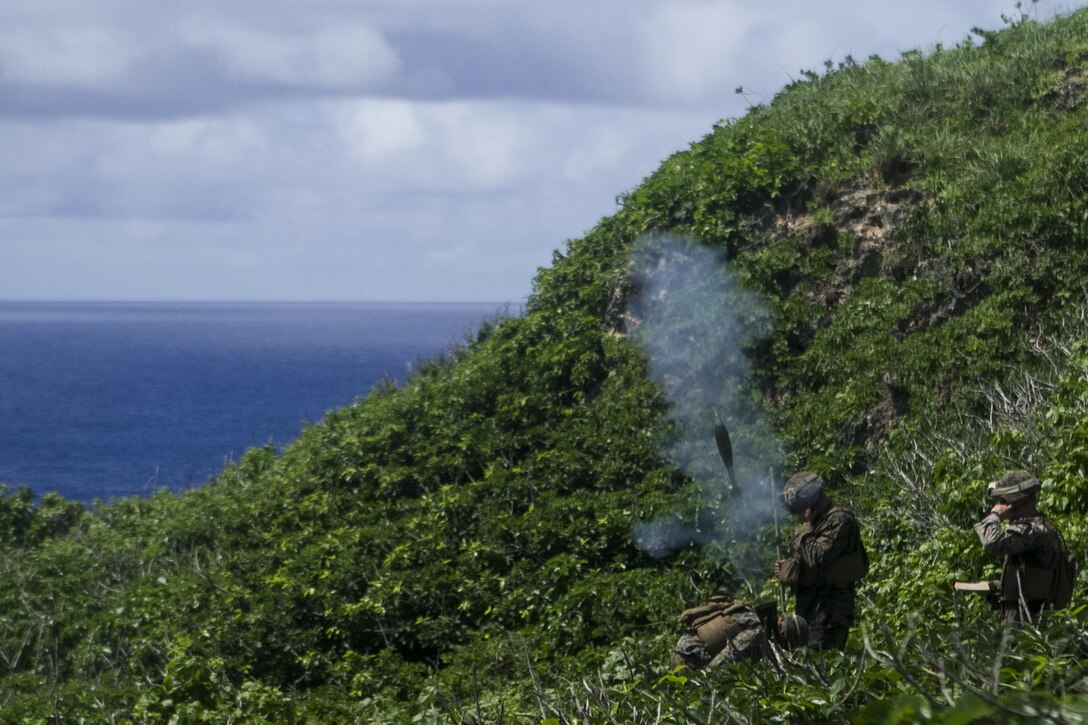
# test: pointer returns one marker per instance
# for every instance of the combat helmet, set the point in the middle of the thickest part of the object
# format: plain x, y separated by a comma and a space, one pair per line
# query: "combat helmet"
1014, 486
794, 631
802, 490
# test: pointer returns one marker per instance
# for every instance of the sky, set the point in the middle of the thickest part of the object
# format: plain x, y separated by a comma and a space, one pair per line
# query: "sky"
377, 150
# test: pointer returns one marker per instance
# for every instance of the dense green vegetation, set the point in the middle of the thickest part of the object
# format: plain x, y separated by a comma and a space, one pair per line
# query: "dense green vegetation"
897, 301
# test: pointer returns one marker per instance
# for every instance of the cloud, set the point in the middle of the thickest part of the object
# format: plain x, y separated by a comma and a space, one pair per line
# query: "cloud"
349, 56
191, 59
81, 56
379, 130
204, 144
195, 169
387, 150
454, 147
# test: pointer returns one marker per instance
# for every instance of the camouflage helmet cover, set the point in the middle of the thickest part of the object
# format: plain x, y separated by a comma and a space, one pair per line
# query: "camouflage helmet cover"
802, 490
1013, 486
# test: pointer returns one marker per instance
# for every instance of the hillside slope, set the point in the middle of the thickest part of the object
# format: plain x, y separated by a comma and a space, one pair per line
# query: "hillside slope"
879, 276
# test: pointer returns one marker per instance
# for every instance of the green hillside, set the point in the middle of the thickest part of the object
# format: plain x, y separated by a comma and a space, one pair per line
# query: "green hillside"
880, 276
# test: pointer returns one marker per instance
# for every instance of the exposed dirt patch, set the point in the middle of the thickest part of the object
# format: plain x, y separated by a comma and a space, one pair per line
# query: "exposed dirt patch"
619, 319
868, 214
1071, 95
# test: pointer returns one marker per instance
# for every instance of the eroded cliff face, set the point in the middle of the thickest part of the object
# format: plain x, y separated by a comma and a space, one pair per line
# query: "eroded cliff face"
867, 212
863, 222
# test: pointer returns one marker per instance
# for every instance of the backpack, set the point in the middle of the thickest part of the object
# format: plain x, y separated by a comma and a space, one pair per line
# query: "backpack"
849, 567
1065, 576
716, 622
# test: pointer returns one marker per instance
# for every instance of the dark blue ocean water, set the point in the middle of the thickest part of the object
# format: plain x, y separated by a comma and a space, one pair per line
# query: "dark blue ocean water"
104, 400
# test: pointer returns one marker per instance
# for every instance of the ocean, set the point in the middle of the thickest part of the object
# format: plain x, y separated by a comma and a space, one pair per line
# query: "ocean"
107, 400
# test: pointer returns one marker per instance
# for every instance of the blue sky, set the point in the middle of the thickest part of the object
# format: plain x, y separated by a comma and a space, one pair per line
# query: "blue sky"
400, 150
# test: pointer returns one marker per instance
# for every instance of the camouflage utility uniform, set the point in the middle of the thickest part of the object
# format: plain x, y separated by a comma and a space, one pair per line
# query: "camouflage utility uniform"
720, 631
1030, 547
818, 549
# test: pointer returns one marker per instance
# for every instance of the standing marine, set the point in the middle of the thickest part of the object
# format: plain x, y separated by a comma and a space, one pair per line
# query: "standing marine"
828, 559
1030, 545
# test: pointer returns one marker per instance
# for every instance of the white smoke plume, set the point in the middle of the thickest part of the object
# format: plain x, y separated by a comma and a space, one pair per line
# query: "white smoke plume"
697, 327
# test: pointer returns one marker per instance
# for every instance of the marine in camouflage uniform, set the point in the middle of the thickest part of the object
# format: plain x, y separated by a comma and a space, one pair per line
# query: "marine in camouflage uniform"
1028, 543
827, 560
719, 631
725, 631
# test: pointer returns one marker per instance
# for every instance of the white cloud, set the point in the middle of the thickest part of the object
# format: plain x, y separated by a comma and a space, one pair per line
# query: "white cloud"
347, 56
214, 168
378, 131
490, 146
206, 143
425, 145
517, 150
88, 56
